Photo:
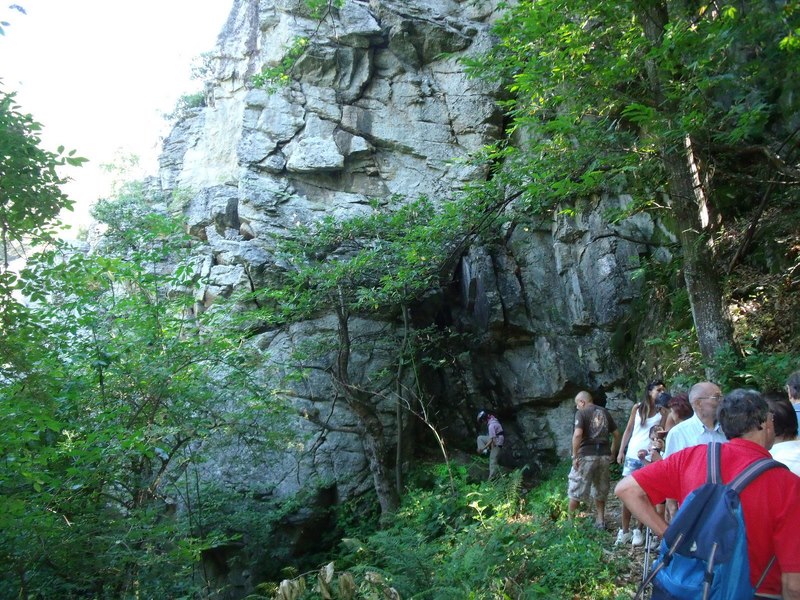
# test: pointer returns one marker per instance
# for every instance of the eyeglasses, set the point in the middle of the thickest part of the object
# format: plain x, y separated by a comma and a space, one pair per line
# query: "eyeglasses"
716, 397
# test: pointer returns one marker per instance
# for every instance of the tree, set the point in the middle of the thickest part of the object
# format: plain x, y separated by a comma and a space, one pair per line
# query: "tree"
103, 430
377, 267
30, 202
30, 196
686, 105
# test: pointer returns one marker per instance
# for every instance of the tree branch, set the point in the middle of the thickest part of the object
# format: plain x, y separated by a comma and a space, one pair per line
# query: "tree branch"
313, 417
751, 230
771, 157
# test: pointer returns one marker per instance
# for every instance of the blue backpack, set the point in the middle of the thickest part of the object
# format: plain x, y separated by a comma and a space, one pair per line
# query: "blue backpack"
704, 550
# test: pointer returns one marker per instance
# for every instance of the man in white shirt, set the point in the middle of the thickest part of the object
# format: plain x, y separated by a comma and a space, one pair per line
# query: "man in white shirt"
702, 427
793, 389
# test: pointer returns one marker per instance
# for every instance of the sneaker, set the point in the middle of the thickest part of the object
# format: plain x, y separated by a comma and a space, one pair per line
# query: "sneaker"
623, 538
637, 539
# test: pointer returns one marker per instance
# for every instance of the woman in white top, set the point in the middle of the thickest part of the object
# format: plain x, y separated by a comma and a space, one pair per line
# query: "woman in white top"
786, 448
637, 437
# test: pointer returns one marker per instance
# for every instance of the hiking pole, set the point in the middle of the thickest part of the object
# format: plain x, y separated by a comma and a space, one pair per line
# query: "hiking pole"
646, 565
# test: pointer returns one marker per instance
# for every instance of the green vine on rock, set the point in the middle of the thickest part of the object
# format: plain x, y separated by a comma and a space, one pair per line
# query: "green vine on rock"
273, 78
276, 77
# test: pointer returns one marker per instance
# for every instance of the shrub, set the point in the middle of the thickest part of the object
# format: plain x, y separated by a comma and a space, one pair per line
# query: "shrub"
486, 540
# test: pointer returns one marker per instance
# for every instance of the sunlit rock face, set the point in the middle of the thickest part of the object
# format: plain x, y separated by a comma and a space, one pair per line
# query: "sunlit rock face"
380, 106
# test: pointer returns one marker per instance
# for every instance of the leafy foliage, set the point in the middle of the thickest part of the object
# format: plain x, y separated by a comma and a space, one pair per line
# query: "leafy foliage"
107, 419
483, 541
584, 114
373, 262
28, 177
274, 78
185, 104
757, 370
30, 196
686, 107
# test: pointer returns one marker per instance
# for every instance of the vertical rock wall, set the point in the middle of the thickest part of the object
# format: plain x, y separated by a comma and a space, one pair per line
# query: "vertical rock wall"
381, 107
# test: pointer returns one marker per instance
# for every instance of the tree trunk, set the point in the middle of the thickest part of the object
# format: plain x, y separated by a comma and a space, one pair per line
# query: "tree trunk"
362, 403
373, 441
711, 319
689, 202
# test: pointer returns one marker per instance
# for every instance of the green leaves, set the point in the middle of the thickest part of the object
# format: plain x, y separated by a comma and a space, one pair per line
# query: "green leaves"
371, 263
579, 89
274, 78
639, 113
114, 393
486, 541
30, 196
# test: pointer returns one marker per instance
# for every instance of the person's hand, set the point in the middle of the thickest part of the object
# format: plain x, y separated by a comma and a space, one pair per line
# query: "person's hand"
575, 462
658, 445
620, 457
641, 454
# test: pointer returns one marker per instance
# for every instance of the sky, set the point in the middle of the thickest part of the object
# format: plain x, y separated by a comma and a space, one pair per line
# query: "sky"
99, 75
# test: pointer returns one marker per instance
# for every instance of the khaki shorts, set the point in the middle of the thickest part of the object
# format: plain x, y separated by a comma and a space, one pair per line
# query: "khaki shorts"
590, 480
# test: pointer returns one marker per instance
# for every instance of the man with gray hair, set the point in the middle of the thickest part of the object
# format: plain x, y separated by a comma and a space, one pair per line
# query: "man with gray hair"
770, 504
702, 427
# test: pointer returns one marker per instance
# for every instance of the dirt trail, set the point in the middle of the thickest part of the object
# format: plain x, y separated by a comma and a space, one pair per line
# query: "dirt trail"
635, 553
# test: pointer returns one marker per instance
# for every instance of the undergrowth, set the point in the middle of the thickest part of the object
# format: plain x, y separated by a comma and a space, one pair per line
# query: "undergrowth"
478, 541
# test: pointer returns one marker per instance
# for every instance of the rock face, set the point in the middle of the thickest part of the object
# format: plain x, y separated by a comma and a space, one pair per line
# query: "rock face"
552, 303
380, 107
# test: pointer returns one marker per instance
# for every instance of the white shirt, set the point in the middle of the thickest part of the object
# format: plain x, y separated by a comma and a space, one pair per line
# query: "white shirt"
796, 406
788, 453
691, 432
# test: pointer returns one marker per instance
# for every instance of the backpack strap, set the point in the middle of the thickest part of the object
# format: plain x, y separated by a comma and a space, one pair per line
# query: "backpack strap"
764, 574
745, 478
753, 470
713, 463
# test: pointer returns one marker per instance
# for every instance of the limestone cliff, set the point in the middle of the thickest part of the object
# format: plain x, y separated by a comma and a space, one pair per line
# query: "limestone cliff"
381, 107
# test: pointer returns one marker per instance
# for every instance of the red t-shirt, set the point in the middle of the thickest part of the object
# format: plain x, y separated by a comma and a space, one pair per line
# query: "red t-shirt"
770, 504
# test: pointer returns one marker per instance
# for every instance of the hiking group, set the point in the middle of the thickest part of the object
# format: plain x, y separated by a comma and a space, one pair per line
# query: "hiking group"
698, 474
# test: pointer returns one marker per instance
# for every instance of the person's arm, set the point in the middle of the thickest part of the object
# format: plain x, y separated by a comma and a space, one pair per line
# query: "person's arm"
790, 583
577, 436
627, 435
635, 498
670, 422
615, 442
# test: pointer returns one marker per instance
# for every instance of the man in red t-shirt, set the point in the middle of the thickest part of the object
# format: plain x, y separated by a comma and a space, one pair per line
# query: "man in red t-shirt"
770, 504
